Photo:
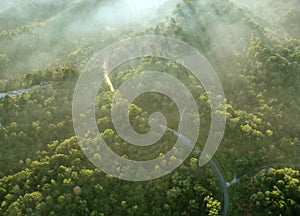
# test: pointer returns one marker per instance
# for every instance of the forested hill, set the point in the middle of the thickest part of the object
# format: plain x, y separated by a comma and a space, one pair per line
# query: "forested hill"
58, 30
281, 16
253, 46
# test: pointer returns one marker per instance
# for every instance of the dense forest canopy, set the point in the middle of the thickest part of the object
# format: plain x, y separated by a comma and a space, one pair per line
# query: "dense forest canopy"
254, 47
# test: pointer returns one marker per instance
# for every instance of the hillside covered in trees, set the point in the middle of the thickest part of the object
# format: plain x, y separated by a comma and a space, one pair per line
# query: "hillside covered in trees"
254, 47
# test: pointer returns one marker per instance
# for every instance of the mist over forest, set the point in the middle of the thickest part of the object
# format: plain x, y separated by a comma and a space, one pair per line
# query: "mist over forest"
47, 46
54, 28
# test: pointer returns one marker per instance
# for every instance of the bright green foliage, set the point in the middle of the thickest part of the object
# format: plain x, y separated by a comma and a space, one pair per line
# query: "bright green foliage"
50, 180
278, 192
253, 46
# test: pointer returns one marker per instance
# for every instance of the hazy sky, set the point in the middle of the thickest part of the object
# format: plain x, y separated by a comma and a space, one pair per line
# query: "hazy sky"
4, 4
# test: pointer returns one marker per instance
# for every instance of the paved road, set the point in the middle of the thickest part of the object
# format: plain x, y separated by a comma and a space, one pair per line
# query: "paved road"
218, 173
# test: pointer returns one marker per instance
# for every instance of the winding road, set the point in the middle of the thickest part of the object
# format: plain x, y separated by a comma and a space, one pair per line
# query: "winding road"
220, 177
222, 183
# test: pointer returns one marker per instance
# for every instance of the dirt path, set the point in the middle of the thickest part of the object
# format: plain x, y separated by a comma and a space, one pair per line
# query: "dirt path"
107, 79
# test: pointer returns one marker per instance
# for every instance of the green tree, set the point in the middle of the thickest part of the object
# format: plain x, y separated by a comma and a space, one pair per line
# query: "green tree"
278, 192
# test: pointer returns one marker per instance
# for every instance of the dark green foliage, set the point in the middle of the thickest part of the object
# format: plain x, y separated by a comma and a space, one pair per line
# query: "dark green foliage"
254, 50
48, 182
277, 192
